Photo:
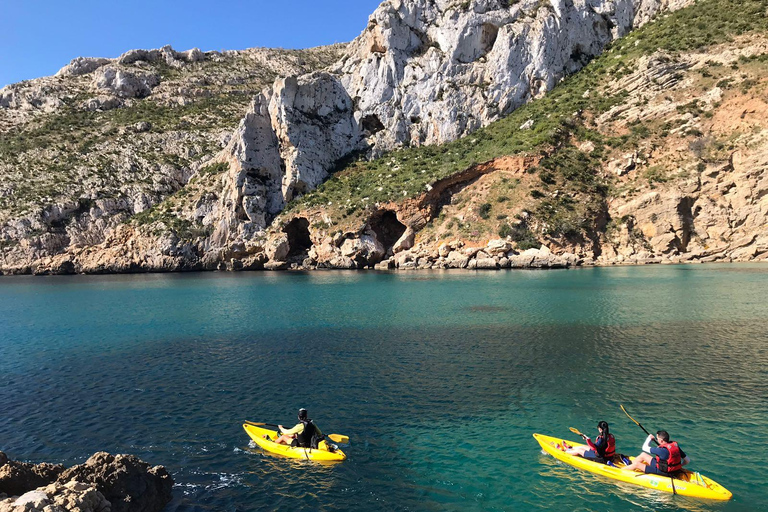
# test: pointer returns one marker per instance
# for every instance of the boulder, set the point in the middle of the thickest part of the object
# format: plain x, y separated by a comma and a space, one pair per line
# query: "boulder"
498, 247
277, 249
387, 264
405, 242
128, 483
71, 496
456, 259
342, 262
486, 264
276, 265
17, 478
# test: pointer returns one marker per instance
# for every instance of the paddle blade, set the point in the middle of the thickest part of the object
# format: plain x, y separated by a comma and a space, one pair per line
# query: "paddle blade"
262, 424
575, 431
338, 438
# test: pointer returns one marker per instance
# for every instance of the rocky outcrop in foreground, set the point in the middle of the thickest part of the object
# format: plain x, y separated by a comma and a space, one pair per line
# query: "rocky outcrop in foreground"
104, 483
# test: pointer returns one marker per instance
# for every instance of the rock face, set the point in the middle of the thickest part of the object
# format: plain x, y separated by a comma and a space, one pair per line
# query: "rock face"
16, 478
135, 134
423, 72
125, 84
129, 484
427, 71
105, 483
283, 148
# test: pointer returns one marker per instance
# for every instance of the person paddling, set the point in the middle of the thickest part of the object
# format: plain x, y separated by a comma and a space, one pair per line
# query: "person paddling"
305, 434
602, 449
664, 460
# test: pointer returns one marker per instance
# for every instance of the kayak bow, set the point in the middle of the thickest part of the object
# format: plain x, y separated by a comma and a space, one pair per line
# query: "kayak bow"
686, 483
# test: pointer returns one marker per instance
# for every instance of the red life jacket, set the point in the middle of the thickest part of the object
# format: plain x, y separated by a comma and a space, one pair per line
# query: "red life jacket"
674, 462
610, 448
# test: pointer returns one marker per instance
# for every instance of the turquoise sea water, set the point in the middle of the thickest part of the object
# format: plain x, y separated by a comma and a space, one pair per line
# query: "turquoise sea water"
439, 378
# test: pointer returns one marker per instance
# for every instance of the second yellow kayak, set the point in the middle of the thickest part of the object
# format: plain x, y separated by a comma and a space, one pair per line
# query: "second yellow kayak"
322, 453
687, 483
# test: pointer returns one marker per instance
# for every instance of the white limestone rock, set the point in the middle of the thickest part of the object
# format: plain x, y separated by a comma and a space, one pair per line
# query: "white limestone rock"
430, 71
82, 66
125, 84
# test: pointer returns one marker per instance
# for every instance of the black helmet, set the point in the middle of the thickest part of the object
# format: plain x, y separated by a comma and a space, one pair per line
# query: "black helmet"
302, 414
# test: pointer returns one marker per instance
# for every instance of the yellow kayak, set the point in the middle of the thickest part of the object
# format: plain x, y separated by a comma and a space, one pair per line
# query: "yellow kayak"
321, 453
687, 483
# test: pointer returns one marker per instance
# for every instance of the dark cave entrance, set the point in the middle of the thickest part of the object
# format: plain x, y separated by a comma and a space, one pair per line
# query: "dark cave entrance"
299, 241
387, 228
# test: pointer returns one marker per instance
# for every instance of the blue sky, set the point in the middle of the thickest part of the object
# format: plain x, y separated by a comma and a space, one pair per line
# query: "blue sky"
38, 37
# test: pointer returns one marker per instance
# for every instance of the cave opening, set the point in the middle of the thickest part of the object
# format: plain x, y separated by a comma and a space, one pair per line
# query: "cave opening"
387, 228
488, 37
372, 124
299, 241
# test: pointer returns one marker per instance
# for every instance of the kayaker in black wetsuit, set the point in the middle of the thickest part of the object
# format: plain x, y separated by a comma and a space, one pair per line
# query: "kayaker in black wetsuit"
305, 434
666, 459
602, 450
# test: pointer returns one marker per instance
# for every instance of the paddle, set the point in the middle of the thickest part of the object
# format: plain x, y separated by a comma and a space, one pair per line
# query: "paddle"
672, 480
576, 431
336, 438
637, 423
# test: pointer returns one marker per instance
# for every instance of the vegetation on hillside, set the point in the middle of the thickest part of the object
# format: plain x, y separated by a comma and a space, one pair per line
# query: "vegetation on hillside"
569, 200
74, 151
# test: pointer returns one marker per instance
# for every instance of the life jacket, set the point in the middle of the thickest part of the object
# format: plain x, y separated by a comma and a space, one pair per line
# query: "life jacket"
308, 437
674, 462
608, 449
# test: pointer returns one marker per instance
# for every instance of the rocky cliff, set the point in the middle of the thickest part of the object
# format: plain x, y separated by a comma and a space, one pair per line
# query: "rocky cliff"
655, 153
441, 133
105, 139
422, 72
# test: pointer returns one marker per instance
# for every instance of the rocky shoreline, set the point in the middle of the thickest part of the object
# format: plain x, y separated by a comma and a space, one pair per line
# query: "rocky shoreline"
104, 483
455, 255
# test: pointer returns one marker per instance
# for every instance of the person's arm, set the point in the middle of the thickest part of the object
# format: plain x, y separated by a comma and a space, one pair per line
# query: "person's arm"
298, 429
592, 446
686, 460
647, 445
661, 453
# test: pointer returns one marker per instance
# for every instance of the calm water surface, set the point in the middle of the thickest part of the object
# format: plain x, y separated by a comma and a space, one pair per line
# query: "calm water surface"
439, 378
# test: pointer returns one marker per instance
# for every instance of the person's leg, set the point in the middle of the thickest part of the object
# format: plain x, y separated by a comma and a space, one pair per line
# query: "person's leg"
639, 463
284, 439
577, 450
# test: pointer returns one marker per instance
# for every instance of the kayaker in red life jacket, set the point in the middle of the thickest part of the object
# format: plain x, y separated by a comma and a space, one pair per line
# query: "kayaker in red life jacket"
305, 434
602, 450
666, 459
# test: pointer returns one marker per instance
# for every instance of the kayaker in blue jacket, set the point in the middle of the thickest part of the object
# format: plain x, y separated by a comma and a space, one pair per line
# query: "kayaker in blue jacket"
305, 434
663, 460
602, 449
